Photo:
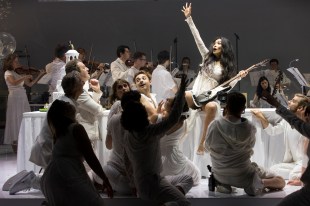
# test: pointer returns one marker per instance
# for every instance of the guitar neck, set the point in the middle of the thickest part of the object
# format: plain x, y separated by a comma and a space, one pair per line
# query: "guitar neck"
238, 76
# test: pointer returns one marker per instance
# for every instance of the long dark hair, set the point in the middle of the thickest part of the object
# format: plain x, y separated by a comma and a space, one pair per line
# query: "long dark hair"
113, 96
8, 62
227, 59
58, 118
259, 88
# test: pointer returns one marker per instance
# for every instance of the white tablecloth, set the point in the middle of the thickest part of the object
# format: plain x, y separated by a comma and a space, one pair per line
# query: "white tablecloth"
30, 128
267, 150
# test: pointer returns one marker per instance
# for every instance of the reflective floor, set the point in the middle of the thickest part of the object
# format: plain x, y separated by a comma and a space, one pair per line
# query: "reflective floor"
198, 195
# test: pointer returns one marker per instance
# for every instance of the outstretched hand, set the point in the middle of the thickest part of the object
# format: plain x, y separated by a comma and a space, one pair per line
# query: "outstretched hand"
187, 9
270, 99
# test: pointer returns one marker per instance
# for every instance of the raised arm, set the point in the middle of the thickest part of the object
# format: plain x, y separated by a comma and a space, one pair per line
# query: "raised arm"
187, 10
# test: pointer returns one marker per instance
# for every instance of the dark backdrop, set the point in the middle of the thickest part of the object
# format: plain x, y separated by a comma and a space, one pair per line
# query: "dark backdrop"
267, 29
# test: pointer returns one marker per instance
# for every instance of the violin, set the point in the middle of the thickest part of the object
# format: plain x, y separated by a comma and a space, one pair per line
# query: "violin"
27, 71
129, 62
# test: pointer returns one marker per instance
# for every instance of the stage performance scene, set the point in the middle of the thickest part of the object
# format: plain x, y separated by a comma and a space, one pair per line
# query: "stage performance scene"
124, 103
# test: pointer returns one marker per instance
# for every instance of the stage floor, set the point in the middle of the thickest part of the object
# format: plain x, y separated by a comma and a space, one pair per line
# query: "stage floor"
198, 195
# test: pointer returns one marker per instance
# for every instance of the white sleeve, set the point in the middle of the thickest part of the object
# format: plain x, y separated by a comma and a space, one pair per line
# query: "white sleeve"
200, 44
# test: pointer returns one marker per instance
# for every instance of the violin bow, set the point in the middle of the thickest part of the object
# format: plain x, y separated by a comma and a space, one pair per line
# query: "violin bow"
89, 56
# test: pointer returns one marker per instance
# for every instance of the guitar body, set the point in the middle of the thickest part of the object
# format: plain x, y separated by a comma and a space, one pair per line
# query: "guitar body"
210, 95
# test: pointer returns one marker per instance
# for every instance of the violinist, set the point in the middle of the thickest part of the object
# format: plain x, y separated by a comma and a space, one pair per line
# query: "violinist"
17, 102
139, 61
92, 65
119, 68
57, 66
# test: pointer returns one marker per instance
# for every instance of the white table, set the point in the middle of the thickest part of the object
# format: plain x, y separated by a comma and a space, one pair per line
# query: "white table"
267, 150
29, 130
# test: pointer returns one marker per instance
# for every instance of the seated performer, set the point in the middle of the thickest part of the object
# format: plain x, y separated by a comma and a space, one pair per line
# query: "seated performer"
141, 140
290, 168
217, 66
263, 85
230, 141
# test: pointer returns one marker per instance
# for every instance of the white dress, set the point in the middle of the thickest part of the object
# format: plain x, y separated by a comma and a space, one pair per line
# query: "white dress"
65, 180
17, 104
173, 159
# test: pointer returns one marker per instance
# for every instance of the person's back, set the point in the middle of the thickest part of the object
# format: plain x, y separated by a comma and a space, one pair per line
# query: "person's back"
163, 84
230, 141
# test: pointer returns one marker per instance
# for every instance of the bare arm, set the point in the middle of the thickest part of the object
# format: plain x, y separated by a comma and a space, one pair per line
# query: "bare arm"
15, 82
87, 151
30, 82
259, 115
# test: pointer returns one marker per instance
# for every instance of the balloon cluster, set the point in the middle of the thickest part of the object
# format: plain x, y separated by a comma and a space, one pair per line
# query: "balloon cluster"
7, 44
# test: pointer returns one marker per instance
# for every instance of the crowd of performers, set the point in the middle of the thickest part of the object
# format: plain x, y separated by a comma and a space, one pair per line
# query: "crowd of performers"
149, 114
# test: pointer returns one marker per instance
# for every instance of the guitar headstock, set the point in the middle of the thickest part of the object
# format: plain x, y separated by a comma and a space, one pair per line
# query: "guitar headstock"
262, 63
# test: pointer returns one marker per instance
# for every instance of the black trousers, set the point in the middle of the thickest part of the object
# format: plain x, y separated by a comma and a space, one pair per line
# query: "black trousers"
298, 198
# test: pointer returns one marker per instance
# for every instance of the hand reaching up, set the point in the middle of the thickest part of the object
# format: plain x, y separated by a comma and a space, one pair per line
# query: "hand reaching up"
184, 82
187, 9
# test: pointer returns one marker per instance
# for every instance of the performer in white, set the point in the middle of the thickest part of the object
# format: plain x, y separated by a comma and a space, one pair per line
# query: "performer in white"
230, 141
292, 160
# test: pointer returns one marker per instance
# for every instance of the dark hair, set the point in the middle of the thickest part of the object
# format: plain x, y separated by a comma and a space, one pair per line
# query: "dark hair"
259, 88
274, 60
121, 49
113, 96
235, 103
227, 59
183, 59
59, 117
61, 49
138, 55
8, 62
134, 117
163, 56
70, 83
129, 97
307, 111
81, 50
72, 65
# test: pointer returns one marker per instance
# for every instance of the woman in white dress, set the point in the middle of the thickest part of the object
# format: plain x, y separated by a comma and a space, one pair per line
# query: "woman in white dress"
65, 180
17, 102
218, 65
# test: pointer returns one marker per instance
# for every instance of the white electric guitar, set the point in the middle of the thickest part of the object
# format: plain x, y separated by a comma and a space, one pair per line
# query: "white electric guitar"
210, 95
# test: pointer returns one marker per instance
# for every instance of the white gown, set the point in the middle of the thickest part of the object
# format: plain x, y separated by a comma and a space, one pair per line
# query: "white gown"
173, 159
17, 104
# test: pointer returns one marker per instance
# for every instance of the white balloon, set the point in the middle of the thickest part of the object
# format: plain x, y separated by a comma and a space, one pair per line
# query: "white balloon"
7, 44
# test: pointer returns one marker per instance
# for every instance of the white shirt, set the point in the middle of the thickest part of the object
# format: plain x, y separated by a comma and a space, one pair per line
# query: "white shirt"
162, 83
119, 70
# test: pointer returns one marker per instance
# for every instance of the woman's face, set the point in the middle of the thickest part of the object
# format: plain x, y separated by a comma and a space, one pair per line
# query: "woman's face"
121, 88
15, 63
217, 48
264, 84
